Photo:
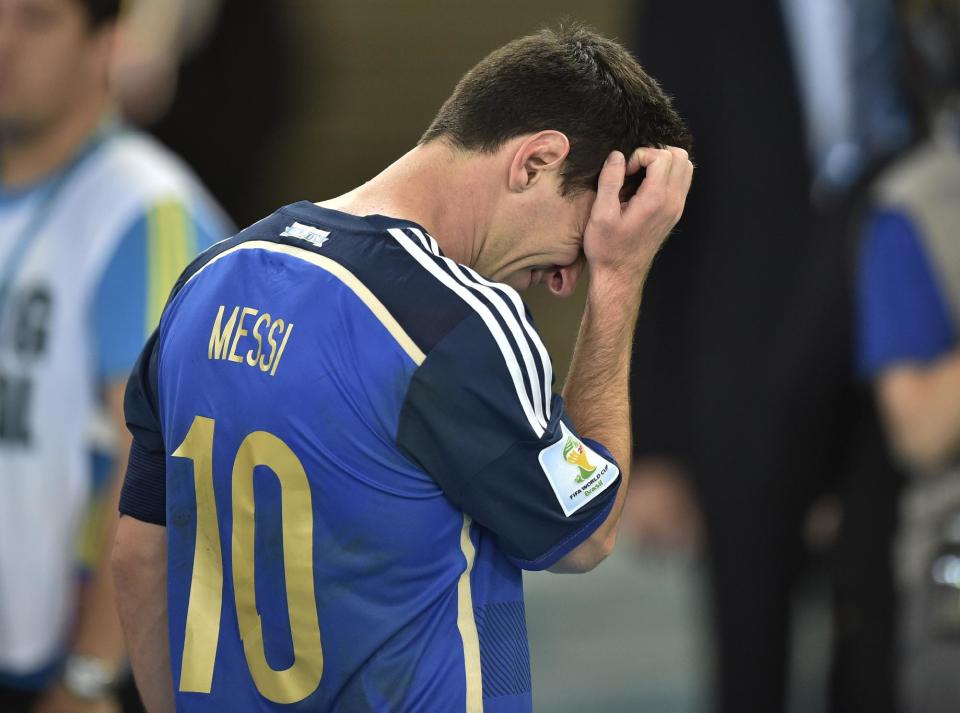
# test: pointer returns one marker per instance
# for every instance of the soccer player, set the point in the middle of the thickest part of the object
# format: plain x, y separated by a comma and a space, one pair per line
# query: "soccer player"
96, 222
346, 445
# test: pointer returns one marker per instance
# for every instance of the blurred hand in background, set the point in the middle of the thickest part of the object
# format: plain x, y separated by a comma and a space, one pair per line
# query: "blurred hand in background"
661, 513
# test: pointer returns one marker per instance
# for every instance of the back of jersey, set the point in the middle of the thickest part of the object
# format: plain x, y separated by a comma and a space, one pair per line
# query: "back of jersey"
296, 527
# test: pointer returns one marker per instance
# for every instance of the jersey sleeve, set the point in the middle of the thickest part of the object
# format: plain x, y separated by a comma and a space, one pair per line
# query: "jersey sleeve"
130, 297
902, 315
480, 419
144, 487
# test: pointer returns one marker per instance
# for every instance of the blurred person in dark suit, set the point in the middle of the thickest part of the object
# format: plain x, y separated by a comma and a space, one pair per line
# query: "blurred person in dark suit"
745, 386
909, 322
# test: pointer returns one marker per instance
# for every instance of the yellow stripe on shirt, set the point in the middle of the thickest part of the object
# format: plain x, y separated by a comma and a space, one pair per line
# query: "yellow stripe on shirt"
171, 243
467, 623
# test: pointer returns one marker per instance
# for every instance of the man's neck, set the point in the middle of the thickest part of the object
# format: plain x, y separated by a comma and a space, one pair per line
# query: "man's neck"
28, 157
436, 187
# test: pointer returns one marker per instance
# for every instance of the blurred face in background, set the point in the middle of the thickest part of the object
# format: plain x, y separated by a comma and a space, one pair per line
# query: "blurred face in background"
51, 60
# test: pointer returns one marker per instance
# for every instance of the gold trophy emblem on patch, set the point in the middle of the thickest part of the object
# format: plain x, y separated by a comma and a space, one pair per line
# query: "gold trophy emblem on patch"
574, 454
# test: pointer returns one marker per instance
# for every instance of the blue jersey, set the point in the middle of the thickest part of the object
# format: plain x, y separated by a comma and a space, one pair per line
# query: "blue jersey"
902, 312
354, 446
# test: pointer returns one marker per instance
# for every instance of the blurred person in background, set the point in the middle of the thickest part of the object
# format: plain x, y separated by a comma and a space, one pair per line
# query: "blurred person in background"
909, 323
746, 405
96, 221
178, 73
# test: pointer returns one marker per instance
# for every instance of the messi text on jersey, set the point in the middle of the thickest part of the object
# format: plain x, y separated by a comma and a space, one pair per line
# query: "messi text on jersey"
265, 327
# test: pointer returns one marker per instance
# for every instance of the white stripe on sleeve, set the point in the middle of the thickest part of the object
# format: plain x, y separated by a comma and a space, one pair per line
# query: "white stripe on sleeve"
428, 261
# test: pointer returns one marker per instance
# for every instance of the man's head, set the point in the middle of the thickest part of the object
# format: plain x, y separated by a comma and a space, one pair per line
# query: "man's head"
933, 50
552, 106
54, 54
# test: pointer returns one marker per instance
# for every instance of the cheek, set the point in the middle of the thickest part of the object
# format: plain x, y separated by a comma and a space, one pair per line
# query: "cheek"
53, 68
518, 280
68, 66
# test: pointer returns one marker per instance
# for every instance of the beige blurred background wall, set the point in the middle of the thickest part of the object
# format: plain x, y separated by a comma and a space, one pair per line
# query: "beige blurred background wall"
372, 74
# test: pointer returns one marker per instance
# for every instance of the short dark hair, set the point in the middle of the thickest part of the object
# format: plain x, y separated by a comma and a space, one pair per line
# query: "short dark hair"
569, 79
101, 11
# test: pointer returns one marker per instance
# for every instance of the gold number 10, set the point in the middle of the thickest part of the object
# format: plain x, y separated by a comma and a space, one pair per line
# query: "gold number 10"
206, 585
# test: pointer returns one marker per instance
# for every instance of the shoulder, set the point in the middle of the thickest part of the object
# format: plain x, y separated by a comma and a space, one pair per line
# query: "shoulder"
893, 256
130, 173
135, 162
891, 229
929, 172
472, 331
894, 265
491, 350
485, 315
902, 311
395, 263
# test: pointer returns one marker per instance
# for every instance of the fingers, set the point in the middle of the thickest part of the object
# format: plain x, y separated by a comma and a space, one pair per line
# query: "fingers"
669, 173
625, 236
641, 158
607, 204
644, 157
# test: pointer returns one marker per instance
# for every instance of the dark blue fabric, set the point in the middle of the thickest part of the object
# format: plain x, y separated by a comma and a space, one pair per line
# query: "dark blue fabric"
504, 652
388, 544
902, 313
143, 494
421, 304
462, 423
386, 553
36, 680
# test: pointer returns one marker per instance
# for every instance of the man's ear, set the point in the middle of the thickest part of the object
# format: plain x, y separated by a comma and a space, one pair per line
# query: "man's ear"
563, 280
537, 155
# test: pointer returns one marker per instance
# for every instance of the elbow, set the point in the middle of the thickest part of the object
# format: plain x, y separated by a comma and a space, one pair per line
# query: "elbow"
921, 420
921, 456
921, 450
587, 555
134, 555
590, 561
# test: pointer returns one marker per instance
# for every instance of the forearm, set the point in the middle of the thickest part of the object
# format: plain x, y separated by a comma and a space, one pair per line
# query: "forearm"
922, 408
140, 577
98, 631
596, 391
620, 242
597, 395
